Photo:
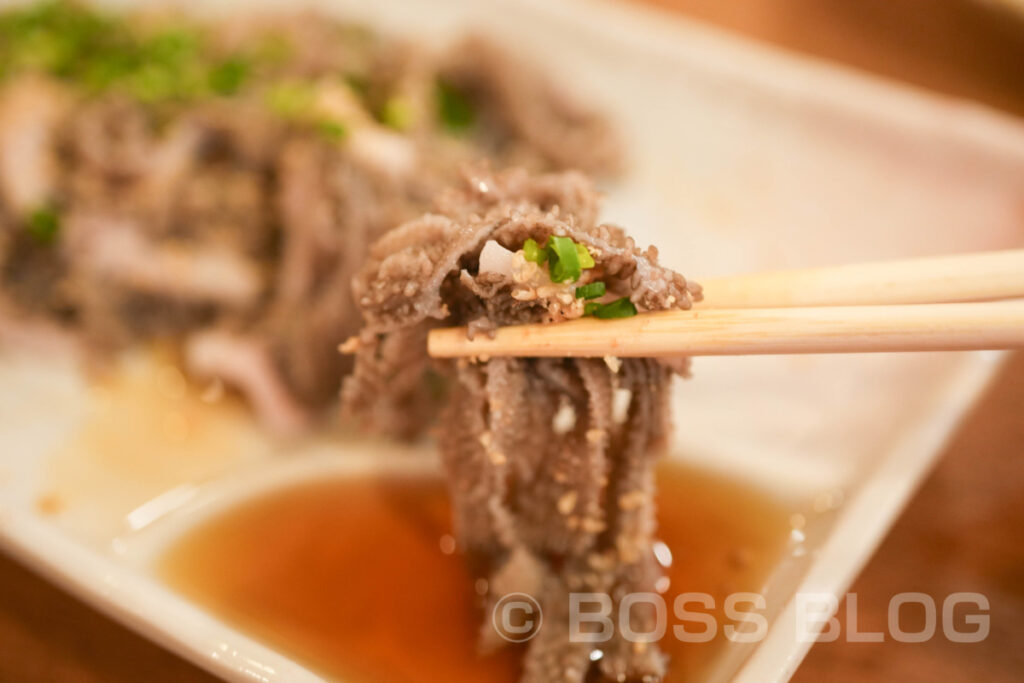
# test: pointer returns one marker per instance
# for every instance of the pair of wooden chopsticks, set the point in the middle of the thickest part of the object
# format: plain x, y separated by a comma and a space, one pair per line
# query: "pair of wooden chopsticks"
963, 302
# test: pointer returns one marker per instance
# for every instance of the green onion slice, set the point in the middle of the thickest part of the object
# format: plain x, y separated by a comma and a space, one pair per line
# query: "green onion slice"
332, 130
620, 308
454, 107
564, 260
397, 113
586, 260
533, 252
43, 224
590, 291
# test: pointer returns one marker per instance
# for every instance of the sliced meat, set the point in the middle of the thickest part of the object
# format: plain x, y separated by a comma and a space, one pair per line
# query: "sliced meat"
36, 334
140, 204
34, 279
527, 119
550, 471
113, 136
332, 206
31, 109
118, 252
246, 364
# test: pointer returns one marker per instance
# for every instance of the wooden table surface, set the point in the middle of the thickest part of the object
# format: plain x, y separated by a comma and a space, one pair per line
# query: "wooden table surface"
962, 532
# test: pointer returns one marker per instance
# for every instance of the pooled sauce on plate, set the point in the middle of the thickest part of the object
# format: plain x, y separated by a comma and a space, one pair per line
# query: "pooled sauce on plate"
359, 578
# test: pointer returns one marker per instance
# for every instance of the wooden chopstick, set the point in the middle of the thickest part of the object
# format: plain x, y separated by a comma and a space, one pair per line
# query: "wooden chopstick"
908, 305
982, 276
722, 332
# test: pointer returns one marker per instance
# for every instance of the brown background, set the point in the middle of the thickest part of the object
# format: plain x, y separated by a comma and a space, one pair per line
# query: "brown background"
963, 530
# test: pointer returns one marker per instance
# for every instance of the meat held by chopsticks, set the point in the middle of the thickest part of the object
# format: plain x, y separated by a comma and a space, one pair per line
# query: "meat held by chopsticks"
549, 461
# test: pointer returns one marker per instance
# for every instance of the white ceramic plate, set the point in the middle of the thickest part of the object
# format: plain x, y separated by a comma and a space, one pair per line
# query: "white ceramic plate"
742, 157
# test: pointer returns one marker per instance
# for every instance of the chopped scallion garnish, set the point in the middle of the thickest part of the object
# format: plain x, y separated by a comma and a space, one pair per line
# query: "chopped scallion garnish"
586, 260
620, 308
43, 224
290, 100
590, 291
566, 259
100, 52
227, 77
332, 130
533, 252
563, 260
397, 113
454, 108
